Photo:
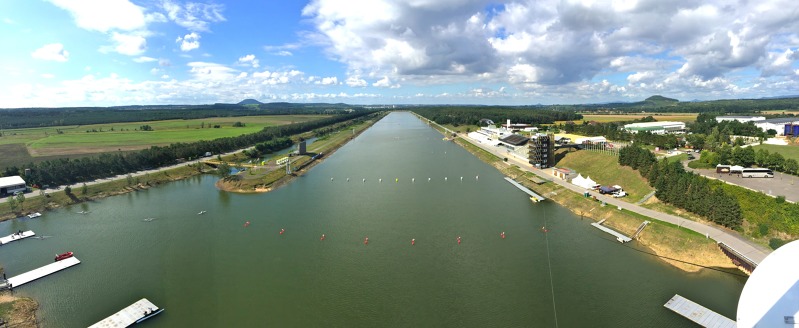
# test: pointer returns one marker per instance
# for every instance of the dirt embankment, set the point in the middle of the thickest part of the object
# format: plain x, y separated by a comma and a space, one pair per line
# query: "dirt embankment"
17, 311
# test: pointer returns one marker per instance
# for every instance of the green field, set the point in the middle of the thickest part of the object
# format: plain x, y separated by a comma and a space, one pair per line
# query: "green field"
790, 151
605, 170
21, 146
605, 118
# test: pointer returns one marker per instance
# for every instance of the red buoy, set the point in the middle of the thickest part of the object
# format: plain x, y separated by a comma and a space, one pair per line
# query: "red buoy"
246, 224
413, 242
366, 241
459, 240
323, 237
282, 231
502, 235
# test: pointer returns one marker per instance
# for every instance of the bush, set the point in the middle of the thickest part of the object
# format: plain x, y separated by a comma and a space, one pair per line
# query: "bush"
775, 243
780, 199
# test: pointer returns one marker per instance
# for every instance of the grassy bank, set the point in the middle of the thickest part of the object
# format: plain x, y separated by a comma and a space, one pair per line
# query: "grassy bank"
18, 311
605, 170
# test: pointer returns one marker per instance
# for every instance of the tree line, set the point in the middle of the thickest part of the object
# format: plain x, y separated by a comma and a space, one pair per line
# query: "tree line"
683, 189
69, 171
616, 131
471, 115
747, 157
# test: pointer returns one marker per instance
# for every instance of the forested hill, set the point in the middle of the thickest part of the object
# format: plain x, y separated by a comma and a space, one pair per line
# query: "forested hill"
41, 117
660, 104
471, 115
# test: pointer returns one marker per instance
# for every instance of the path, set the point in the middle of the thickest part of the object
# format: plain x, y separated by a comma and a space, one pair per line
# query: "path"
731, 238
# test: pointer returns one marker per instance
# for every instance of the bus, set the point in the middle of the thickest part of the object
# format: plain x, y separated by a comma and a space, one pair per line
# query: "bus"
757, 173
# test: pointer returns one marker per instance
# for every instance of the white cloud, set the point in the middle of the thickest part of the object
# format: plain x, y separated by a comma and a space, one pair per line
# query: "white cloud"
248, 60
211, 71
327, 81
104, 15
144, 59
53, 51
194, 16
129, 44
385, 82
189, 41
356, 81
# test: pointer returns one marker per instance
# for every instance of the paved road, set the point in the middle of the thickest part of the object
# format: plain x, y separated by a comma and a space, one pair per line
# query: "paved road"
118, 177
731, 238
781, 185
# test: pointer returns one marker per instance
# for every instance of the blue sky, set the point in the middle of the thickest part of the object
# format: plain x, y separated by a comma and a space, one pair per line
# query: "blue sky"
123, 52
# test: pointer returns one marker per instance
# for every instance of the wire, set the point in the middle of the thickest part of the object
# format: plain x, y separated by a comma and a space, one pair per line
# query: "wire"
551, 284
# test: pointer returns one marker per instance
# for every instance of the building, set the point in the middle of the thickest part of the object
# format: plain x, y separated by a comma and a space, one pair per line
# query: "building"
742, 119
779, 125
656, 127
515, 126
564, 173
540, 150
301, 148
12, 184
590, 140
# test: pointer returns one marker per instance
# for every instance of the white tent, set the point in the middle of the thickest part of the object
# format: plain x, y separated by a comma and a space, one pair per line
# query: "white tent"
586, 183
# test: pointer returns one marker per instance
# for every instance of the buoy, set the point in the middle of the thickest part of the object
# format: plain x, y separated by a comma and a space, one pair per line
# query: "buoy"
348, 179
459, 240
413, 242
331, 179
380, 180
364, 180
461, 178
413, 180
477, 177
282, 231
246, 224
323, 237
503, 235
396, 180
445, 178
366, 241
428, 179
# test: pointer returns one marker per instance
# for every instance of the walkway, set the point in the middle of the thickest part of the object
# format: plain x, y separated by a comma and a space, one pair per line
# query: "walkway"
751, 250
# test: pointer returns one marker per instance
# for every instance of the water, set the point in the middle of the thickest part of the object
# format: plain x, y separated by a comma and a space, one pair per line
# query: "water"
210, 271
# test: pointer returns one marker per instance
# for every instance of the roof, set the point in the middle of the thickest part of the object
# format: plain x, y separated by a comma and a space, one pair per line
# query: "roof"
11, 181
515, 139
652, 124
734, 117
772, 291
779, 120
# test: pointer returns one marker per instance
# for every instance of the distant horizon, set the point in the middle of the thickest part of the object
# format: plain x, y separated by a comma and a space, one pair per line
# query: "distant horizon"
428, 52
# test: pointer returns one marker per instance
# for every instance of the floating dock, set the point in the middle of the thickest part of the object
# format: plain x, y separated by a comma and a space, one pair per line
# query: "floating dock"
16, 236
620, 237
51, 268
697, 313
137, 312
533, 196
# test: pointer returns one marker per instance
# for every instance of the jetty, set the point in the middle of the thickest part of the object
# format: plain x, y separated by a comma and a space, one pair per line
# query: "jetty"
533, 196
137, 312
697, 313
34, 274
16, 236
619, 236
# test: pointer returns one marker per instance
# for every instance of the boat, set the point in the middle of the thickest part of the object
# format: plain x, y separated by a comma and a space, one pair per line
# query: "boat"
64, 256
201, 213
34, 215
149, 315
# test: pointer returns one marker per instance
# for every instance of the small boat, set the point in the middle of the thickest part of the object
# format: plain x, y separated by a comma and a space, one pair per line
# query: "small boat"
201, 213
149, 314
34, 215
60, 257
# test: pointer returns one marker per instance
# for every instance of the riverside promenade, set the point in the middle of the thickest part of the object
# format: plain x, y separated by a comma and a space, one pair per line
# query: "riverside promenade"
753, 251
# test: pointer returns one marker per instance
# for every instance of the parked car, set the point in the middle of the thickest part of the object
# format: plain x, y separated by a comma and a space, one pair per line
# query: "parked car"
691, 156
619, 194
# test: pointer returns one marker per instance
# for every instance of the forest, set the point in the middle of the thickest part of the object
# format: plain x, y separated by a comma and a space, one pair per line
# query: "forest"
471, 115
659, 104
684, 189
70, 171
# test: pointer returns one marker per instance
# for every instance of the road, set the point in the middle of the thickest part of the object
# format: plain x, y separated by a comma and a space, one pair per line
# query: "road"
75, 187
781, 185
753, 251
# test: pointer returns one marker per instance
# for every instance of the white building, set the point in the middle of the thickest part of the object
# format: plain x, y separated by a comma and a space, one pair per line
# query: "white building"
12, 184
656, 127
742, 119
590, 140
776, 124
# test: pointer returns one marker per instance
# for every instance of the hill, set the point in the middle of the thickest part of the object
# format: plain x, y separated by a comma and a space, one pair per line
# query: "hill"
249, 102
605, 170
660, 99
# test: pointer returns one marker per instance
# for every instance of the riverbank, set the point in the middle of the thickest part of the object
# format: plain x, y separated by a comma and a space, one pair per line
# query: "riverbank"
679, 247
261, 179
17, 311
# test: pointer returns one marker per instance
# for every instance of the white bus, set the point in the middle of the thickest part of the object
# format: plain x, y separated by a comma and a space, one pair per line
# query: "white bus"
757, 173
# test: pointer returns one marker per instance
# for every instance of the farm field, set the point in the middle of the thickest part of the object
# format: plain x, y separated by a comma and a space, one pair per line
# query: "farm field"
605, 118
26, 145
790, 151
772, 112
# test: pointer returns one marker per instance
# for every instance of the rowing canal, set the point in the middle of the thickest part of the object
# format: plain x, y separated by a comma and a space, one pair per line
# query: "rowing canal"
210, 271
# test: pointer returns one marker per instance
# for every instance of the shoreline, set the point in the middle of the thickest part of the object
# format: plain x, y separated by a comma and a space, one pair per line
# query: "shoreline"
677, 243
19, 311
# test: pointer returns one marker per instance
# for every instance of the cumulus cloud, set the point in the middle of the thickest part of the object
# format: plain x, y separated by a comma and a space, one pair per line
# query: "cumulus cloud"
104, 15
129, 44
194, 16
356, 81
53, 51
248, 60
327, 81
385, 82
144, 59
189, 41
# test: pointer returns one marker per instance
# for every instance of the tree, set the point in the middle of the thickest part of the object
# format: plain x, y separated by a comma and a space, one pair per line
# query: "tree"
725, 154
84, 189
12, 203
791, 166
746, 157
761, 157
129, 179
238, 125
21, 200
223, 170
68, 190
775, 161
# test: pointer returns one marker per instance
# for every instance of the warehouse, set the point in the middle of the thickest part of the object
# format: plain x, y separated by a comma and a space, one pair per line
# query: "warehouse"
778, 124
656, 127
12, 184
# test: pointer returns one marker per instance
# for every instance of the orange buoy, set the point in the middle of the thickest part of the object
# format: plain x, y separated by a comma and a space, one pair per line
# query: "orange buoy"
323, 237
366, 241
413, 242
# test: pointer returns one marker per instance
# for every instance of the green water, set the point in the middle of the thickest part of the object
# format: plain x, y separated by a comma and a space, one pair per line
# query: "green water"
211, 271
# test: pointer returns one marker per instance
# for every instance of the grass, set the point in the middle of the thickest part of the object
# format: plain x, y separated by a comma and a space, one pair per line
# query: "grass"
605, 170
22, 146
606, 118
790, 151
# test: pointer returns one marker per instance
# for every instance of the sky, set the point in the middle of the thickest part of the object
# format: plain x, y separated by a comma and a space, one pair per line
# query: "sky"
59, 53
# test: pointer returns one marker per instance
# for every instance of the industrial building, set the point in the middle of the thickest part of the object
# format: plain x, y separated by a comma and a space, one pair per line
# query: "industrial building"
656, 127
12, 184
783, 126
742, 119
541, 148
